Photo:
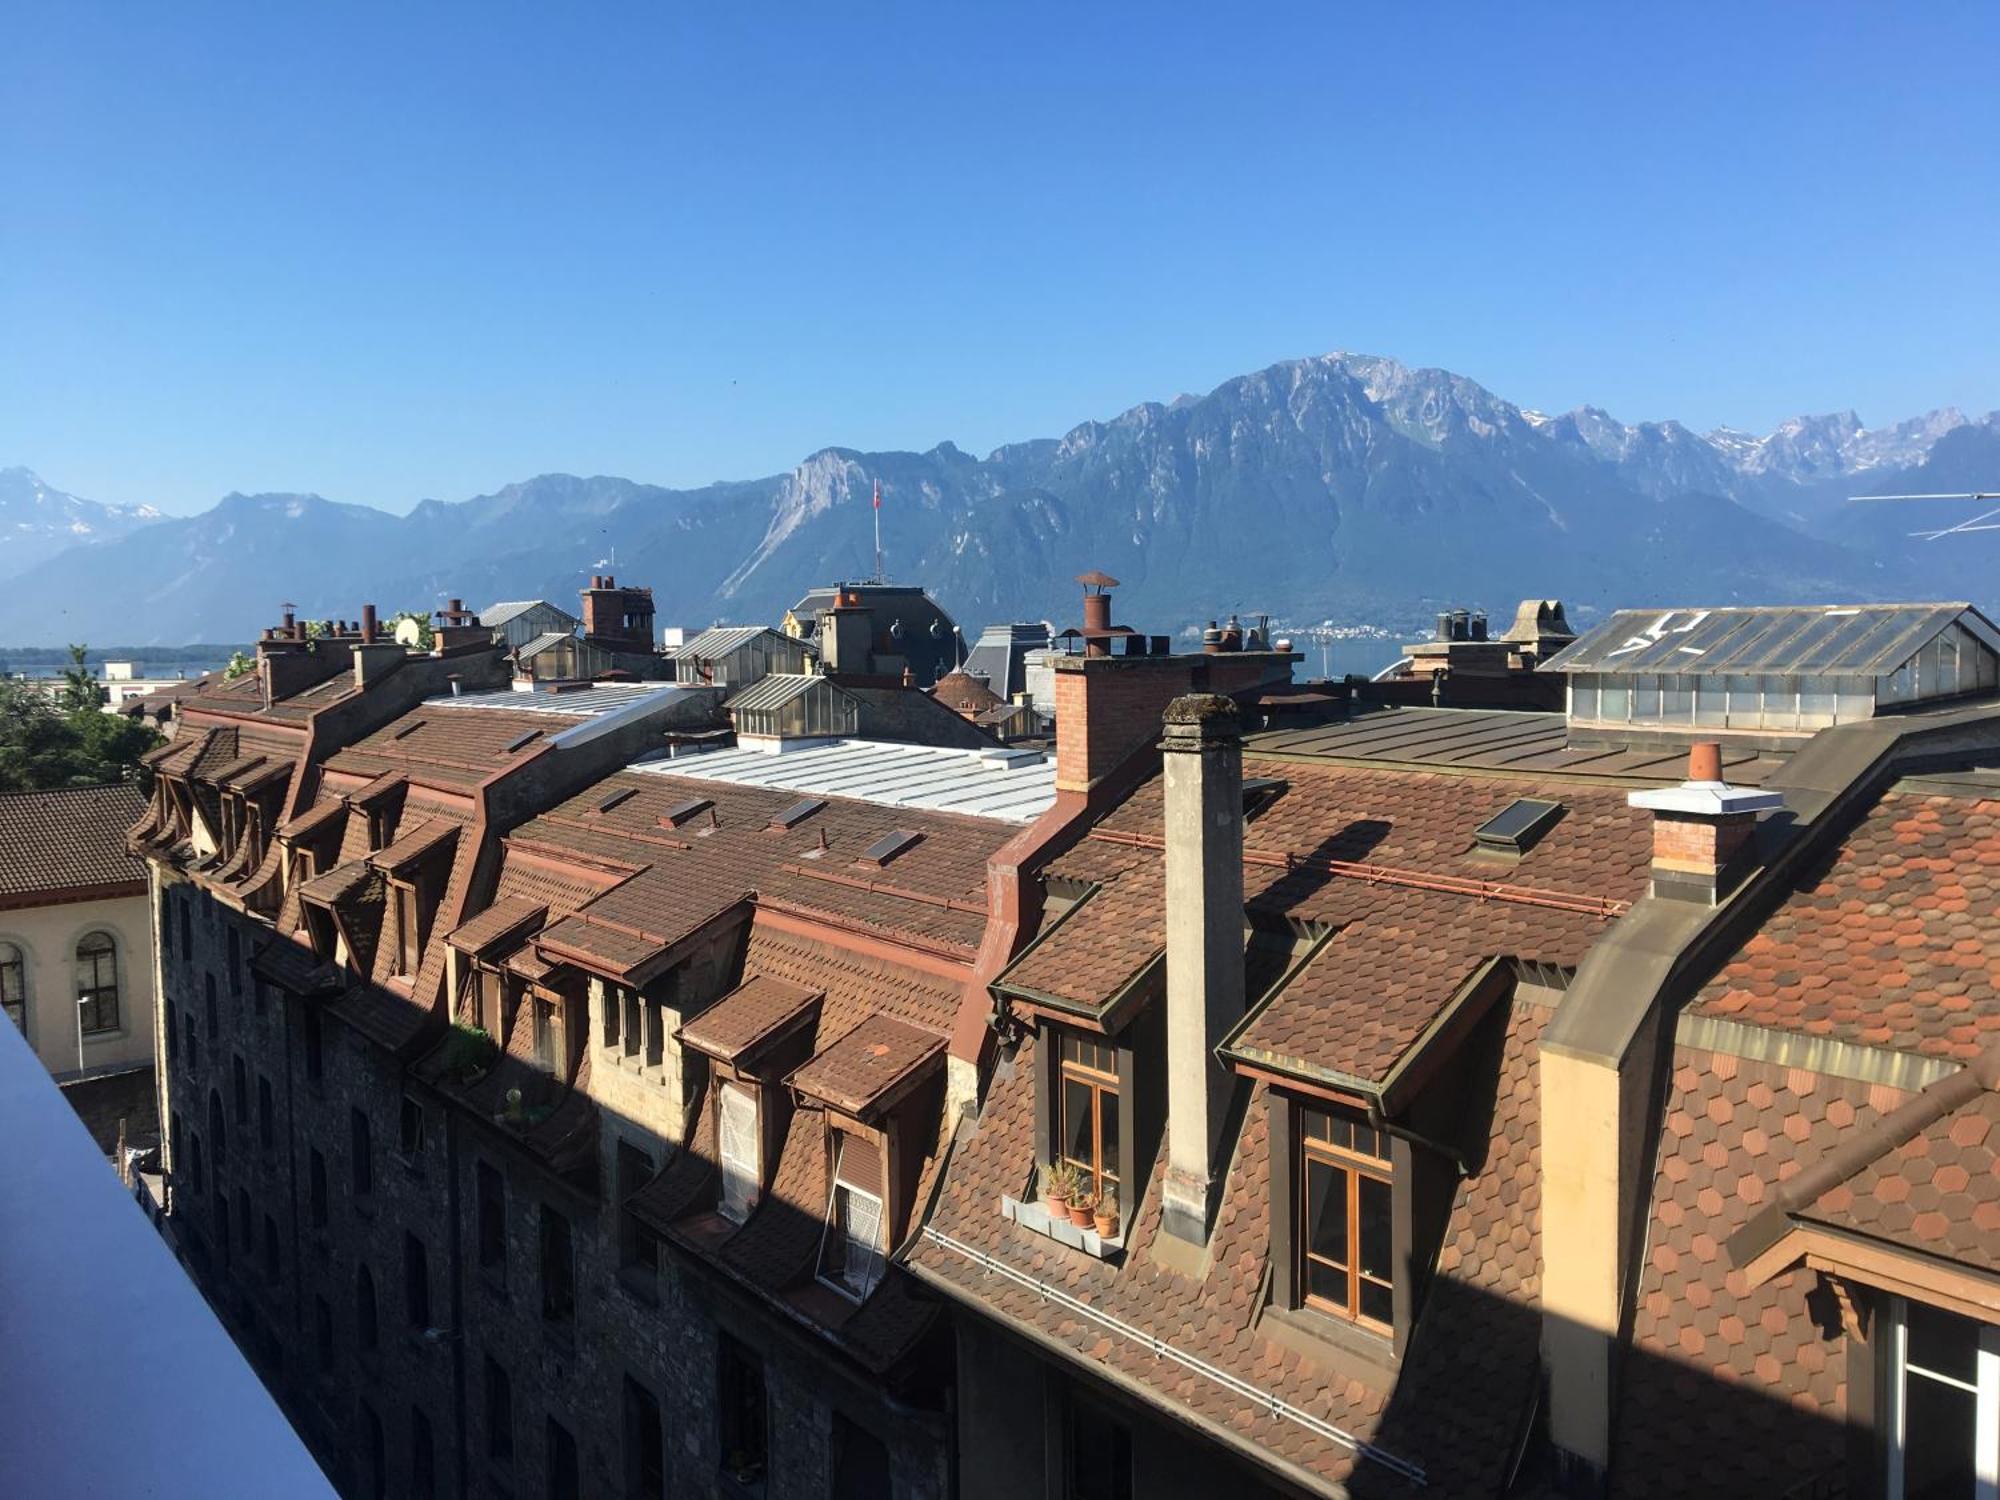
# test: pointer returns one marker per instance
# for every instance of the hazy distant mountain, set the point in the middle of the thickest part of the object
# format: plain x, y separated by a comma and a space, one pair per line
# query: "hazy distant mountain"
37, 522
1347, 487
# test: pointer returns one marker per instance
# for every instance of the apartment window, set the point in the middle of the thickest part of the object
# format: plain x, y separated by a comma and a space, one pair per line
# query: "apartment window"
14, 990
1944, 1391
316, 1194
645, 1444
1087, 1110
1345, 1223
639, 1246
860, 1463
492, 1208
245, 1224
851, 1248
211, 1014
221, 1212
235, 962
416, 1282
362, 1147
1099, 1457
423, 1455
97, 983
218, 1129
558, 1268
260, 996
499, 1392
564, 1481
187, 927
166, 927
193, 1046
367, 1327
267, 1114
740, 1156
409, 930
548, 1030
739, 1386
411, 1133
314, 1045
490, 989
194, 1162
374, 1455
239, 1089
322, 1334
270, 1247
173, 1032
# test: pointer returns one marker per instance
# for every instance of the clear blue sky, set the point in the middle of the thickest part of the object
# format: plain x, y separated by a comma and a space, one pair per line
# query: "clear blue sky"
422, 250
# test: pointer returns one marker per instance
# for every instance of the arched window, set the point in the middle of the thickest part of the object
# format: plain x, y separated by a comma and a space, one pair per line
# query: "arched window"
364, 1308
218, 1132
97, 982
14, 984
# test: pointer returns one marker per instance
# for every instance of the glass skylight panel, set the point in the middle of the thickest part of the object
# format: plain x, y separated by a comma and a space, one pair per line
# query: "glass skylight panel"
1517, 825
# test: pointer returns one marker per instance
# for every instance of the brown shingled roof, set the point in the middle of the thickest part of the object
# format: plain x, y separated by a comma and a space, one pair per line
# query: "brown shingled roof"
69, 840
757, 1011
871, 1067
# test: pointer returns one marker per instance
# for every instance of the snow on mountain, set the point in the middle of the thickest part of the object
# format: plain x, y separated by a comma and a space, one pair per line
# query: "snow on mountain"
37, 521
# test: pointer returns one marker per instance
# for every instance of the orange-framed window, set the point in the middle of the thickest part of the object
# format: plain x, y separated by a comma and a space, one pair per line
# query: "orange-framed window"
1087, 1110
1346, 1231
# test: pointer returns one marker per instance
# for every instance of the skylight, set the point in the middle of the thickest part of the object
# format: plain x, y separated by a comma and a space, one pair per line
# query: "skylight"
797, 813
889, 846
680, 812
621, 795
519, 740
1515, 828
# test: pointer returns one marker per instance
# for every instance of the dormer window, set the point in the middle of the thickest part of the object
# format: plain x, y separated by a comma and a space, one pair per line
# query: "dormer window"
409, 930
851, 1251
1087, 1131
1345, 1224
736, 1134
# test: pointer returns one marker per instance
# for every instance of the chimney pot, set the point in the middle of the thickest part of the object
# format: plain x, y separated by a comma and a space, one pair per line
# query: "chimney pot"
1705, 761
369, 628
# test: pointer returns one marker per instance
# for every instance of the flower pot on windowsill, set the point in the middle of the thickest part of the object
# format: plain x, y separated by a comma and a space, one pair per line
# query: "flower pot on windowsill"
1106, 1220
1081, 1211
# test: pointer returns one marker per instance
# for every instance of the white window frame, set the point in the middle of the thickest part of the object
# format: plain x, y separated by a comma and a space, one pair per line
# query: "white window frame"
741, 1177
877, 1263
1985, 1392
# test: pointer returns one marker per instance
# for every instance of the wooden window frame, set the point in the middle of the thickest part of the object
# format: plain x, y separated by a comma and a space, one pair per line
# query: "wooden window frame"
1105, 1094
1351, 1166
97, 997
409, 929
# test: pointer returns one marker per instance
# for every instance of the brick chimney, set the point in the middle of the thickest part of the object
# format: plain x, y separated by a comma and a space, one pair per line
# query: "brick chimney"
1699, 827
1203, 754
620, 619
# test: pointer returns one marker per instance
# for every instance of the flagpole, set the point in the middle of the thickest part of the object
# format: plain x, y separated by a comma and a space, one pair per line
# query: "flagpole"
878, 531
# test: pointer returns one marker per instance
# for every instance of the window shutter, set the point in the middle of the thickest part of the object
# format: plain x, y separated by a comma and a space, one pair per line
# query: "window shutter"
861, 1163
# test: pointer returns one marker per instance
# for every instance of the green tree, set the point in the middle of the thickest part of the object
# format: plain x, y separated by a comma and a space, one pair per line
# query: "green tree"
241, 664
80, 687
50, 742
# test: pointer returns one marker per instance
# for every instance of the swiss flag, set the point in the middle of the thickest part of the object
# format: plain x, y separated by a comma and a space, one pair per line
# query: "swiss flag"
878, 494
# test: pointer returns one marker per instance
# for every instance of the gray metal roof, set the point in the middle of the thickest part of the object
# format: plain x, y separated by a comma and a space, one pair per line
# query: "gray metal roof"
1495, 740
1011, 786
500, 614
1864, 640
720, 640
542, 642
583, 703
780, 688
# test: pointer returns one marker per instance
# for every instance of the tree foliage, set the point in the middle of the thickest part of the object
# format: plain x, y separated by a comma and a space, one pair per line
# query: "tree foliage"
426, 632
66, 739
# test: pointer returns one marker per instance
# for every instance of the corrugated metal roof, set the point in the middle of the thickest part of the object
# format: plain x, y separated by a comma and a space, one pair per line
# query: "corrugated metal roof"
1013, 786
542, 642
584, 703
780, 688
720, 640
500, 614
1502, 740
1854, 640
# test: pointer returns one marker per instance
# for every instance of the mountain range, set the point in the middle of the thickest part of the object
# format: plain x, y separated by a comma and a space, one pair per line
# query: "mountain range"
1343, 488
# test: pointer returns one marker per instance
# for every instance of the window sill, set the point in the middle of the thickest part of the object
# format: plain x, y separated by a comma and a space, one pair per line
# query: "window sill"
1036, 1217
1316, 1334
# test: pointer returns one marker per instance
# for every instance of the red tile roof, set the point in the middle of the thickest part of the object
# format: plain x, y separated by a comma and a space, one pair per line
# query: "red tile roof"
869, 1066
760, 1008
67, 840
1893, 941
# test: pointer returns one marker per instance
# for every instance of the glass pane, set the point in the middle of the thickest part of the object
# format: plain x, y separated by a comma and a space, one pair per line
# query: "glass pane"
1376, 1234
1938, 1446
1944, 1343
1327, 1283
1314, 1126
1326, 1210
1076, 1139
1107, 1105
1378, 1302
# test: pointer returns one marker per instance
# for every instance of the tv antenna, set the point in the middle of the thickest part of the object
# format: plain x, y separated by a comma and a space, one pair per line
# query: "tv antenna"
1984, 521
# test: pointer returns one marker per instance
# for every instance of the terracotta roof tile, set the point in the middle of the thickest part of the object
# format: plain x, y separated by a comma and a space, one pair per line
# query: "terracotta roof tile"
1939, 1191
870, 1064
756, 1010
1891, 941
68, 839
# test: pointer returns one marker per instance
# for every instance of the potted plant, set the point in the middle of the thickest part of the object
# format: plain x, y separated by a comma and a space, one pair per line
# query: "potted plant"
1058, 1182
1081, 1206
1107, 1214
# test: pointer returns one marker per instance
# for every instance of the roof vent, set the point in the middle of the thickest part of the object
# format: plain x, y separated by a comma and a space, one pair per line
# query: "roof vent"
889, 846
797, 813
1517, 826
519, 740
408, 729
680, 812
1259, 792
623, 794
